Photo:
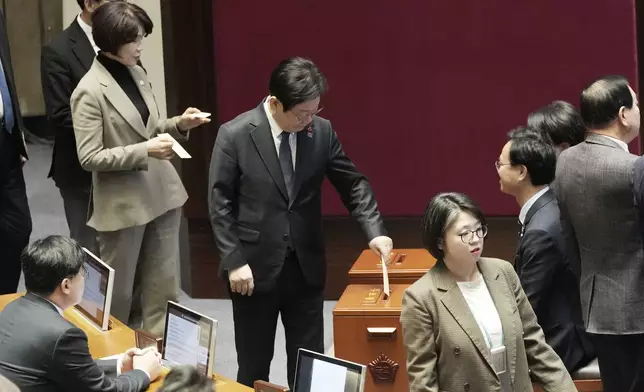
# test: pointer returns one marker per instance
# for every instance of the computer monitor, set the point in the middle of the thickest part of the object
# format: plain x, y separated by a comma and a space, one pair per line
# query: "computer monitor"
316, 372
97, 297
189, 339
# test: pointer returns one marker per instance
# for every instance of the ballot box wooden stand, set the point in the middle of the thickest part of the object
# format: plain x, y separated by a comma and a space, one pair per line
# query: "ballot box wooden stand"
366, 326
366, 330
407, 265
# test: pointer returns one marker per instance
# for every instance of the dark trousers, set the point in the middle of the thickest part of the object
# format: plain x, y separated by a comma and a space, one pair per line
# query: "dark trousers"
621, 361
76, 201
255, 317
15, 218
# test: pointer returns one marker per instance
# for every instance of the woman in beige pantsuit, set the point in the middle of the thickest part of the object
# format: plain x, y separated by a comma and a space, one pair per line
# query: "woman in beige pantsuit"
136, 191
467, 324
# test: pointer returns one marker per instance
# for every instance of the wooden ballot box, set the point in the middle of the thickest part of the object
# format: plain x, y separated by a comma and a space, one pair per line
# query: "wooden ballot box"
366, 330
407, 266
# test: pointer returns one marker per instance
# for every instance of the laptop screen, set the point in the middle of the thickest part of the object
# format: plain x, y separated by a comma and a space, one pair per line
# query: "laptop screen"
97, 297
320, 373
189, 338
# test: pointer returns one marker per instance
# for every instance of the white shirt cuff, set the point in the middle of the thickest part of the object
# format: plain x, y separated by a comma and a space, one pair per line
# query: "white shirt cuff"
119, 365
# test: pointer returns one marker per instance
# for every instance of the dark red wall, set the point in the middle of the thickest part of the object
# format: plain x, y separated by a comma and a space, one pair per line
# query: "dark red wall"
423, 92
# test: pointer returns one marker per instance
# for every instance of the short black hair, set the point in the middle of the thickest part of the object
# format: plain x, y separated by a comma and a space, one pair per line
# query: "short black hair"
561, 121
186, 379
602, 99
118, 23
533, 150
296, 80
440, 213
48, 261
81, 3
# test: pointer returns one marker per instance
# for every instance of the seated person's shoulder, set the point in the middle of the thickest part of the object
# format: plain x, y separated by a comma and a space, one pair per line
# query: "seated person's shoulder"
71, 335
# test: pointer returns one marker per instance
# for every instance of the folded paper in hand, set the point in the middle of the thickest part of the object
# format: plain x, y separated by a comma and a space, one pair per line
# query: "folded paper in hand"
176, 147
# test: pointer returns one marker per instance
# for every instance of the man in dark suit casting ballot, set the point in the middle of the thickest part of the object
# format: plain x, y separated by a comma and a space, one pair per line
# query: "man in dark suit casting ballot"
265, 209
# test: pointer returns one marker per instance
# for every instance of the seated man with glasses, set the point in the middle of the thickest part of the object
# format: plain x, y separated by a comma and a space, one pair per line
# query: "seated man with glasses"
40, 351
526, 167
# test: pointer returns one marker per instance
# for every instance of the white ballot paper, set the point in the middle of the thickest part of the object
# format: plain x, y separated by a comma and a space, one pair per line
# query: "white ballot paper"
176, 147
385, 277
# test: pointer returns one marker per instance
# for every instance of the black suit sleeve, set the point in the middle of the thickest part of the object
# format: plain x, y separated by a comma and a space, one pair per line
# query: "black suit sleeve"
222, 200
73, 369
108, 366
56, 88
354, 189
540, 259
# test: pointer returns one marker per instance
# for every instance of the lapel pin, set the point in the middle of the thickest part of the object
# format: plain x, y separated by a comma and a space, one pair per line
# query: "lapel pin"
141, 82
309, 132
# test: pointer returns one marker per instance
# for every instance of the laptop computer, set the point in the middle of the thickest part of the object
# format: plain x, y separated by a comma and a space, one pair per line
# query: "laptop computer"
189, 339
316, 372
97, 297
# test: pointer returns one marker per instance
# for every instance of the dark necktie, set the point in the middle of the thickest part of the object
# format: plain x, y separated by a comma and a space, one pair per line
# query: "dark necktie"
521, 228
9, 119
286, 163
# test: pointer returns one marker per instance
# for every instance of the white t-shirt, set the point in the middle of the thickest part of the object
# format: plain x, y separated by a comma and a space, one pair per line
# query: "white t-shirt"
482, 307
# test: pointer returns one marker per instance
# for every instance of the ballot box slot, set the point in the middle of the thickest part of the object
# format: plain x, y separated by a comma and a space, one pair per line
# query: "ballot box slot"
381, 333
396, 259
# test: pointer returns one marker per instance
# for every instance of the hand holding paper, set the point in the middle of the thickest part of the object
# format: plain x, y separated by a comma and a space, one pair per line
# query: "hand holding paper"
159, 148
382, 246
191, 118
176, 147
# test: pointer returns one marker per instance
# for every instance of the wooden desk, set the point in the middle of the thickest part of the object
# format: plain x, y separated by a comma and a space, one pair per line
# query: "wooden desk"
119, 339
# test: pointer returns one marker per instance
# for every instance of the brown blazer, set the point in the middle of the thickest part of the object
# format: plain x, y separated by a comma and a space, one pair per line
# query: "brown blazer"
444, 345
128, 187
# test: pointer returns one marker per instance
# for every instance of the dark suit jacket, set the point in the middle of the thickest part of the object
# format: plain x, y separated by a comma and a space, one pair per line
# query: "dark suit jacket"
40, 351
64, 62
601, 221
252, 218
17, 136
550, 284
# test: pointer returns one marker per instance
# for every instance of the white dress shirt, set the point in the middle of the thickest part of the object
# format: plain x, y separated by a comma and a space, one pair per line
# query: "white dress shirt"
528, 204
482, 306
621, 143
87, 29
277, 134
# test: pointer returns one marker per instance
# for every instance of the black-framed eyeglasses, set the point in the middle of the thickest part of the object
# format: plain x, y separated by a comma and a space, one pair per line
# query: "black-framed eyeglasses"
468, 236
305, 117
498, 164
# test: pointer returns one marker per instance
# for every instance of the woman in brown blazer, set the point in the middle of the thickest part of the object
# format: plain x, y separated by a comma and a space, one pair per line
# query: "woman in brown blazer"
467, 324
136, 191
